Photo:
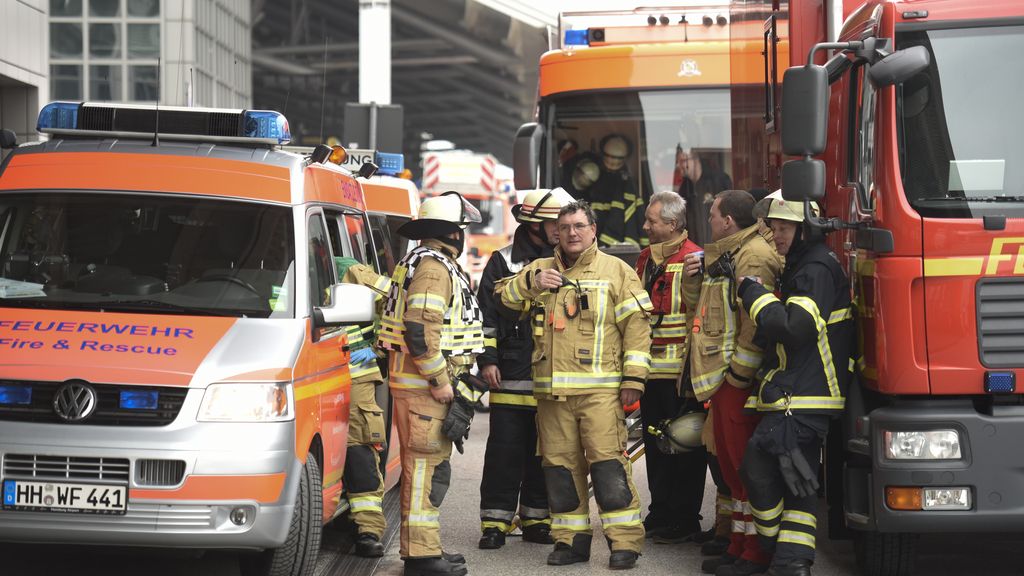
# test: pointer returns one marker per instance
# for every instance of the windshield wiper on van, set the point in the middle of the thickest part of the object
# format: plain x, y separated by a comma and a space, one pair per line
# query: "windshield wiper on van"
160, 306
974, 199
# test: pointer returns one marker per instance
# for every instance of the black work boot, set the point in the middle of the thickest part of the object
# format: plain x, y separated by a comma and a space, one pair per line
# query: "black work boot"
538, 534
677, 534
564, 554
794, 568
369, 546
623, 559
715, 547
705, 536
454, 557
433, 567
741, 567
492, 539
710, 565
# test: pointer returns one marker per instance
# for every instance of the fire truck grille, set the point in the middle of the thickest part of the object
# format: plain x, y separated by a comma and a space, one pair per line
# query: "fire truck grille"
1001, 322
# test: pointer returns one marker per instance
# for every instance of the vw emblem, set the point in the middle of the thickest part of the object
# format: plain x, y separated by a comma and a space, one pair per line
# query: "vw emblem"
688, 68
74, 401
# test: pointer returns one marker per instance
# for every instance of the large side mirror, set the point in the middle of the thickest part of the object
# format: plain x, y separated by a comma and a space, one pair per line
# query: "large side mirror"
803, 180
525, 155
8, 139
900, 66
804, 110
366, 170
350, 304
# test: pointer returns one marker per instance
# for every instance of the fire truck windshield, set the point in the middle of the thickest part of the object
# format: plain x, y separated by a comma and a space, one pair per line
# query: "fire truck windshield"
961, 150
146, 253
492, 217
604, 145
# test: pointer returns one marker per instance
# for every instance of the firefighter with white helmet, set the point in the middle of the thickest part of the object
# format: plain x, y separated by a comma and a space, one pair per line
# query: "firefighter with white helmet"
809, 332
432, 327
619, 210
512, 472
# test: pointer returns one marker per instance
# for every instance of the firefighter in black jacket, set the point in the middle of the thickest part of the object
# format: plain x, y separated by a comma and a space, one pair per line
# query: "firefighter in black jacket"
512, 472
809, 334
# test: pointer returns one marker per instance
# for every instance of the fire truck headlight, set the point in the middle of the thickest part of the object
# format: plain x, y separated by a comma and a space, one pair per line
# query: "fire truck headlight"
922, 445
247, 402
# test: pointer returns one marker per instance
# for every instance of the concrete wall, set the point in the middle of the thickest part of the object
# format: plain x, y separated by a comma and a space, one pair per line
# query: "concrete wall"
24, 84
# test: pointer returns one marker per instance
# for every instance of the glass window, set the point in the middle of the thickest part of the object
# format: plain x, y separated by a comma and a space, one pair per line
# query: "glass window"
142, 83
492, 216
321, 268
105, 8
65, 7
146, 253
66, 82
105, 82
143, 40
355, 228
105, 40
144, 8
65, 40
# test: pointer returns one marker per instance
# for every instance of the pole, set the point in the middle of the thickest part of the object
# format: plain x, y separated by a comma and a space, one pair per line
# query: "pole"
375, 51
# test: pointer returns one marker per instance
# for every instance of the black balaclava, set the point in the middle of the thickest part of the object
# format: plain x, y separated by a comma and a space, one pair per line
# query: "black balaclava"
459, 244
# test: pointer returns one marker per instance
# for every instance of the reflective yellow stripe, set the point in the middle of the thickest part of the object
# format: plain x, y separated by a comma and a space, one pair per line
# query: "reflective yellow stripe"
963, 266
798, 517
767, 515
840, 315
407, 381
761, 301
705, 383
746, 357
578, 380
527, 522
365, 504
794, 537
824, 351
574, 522
512, 293
799, 403
471, 394
513, 399
621, 518
636, 358
491, 342
767, 531
383, 284
429, 366
427, 301
503, 526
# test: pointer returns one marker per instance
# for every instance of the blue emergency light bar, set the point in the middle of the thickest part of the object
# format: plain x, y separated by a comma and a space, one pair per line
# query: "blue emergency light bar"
175, 123
389, 164
577, 37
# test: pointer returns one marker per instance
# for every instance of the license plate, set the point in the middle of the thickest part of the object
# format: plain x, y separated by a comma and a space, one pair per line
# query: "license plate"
65, 497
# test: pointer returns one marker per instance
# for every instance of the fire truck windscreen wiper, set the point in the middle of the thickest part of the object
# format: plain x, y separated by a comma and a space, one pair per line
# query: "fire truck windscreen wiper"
974, 199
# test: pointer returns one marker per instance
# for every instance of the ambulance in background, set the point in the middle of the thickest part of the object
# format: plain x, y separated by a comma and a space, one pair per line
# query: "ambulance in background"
173, 362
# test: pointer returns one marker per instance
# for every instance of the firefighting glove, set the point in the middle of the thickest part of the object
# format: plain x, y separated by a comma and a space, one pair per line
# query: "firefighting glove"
362, 356
456, 423
800, 479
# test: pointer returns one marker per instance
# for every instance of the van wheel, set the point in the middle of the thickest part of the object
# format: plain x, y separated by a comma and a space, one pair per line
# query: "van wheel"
297, 556
881, 554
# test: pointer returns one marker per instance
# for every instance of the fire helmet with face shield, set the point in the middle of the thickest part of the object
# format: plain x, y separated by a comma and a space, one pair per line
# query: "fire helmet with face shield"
439, 216
775, 207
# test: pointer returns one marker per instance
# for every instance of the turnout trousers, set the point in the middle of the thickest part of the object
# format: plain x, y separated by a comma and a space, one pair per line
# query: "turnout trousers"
784, 522
733, 428
362, 474
676, 481
512, 474
426, 472
584, 434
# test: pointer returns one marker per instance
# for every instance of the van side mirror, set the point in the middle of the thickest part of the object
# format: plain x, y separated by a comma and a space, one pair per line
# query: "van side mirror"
8, 139
900, 66
804, 110
367, 169
525, 155
350, 304
803, 180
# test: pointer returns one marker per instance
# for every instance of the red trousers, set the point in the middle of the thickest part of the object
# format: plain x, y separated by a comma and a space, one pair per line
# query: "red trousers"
733, 428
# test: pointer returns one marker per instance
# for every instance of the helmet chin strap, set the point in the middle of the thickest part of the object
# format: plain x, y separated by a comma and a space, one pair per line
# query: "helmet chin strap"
459, 244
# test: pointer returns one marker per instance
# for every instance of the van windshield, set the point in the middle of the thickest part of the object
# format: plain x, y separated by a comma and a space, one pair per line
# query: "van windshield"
146, 253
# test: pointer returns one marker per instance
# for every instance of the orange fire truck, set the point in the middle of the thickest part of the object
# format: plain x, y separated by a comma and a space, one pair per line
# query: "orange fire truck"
909, 137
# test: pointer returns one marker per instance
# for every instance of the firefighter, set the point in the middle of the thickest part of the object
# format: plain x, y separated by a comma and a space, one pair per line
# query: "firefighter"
809, 330
613, 197
676, 480
589, 318
723, 359
432, 328
512, 472
366, 434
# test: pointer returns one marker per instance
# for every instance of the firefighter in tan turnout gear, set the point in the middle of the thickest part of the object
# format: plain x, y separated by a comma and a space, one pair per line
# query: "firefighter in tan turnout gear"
589, 315
366, 434
432, 328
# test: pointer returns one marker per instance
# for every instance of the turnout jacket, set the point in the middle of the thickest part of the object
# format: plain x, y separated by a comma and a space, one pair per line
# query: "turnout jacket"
508, 342
591, 337
360, 337
619, 211
809, 332
431, 323
722, 347
662, 272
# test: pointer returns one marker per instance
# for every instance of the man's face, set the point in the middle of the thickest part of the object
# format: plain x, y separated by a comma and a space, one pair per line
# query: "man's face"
551, 229
783, 231
575, 234
613, 162
721, 226
658, 229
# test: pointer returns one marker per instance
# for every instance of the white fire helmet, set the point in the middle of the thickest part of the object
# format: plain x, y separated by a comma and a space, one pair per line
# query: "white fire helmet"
543, 204
774, 206
585, 174
439, 216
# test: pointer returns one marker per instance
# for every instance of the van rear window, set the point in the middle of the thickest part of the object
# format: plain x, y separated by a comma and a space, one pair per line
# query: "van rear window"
146, 253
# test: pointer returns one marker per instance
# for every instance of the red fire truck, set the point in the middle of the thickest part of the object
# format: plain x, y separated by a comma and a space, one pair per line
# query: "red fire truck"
908, 135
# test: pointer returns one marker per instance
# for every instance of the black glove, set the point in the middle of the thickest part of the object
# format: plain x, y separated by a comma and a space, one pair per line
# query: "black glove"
456, 423
801, 480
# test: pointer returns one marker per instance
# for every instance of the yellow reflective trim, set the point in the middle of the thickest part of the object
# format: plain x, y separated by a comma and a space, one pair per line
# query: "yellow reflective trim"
794, 537
527, 522
762, 301
767, 515
429, 366
503, 526
491, 342
767, 531
621, 518
746, 357
798, 517
427, 301
966, 266
709, 381
840, 315
512, 399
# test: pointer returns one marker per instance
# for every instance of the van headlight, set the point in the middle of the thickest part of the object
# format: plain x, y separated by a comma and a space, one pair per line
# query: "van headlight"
922, 445
247, 402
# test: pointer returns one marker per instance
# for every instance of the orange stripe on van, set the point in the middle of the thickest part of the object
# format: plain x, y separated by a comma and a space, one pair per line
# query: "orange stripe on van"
263, 488
147, 172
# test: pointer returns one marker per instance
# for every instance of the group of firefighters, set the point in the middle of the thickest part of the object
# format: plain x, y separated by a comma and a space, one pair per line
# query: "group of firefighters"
738, 353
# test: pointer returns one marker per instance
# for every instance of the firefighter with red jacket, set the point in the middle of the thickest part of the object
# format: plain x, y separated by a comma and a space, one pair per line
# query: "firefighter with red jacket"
676, 481
512, 471
809, 334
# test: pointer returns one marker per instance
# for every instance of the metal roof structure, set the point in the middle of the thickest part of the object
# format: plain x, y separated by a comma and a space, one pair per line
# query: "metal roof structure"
464, 70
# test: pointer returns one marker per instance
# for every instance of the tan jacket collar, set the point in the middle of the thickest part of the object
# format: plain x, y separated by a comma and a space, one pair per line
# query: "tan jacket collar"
585, 258
728, 244
440, 247
664, 250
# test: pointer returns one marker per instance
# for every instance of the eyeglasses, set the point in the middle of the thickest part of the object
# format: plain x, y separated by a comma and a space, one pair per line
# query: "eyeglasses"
579, 227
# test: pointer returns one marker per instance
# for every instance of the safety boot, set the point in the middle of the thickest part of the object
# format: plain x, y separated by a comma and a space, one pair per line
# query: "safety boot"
538, 534
433, 567
710, 565
492, 539
794, 568
715, 547
623, 559
564, 554
369, 546
454, 557
741, 567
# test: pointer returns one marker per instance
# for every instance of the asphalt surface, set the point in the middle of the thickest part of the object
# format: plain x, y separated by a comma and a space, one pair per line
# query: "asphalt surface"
941, 555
